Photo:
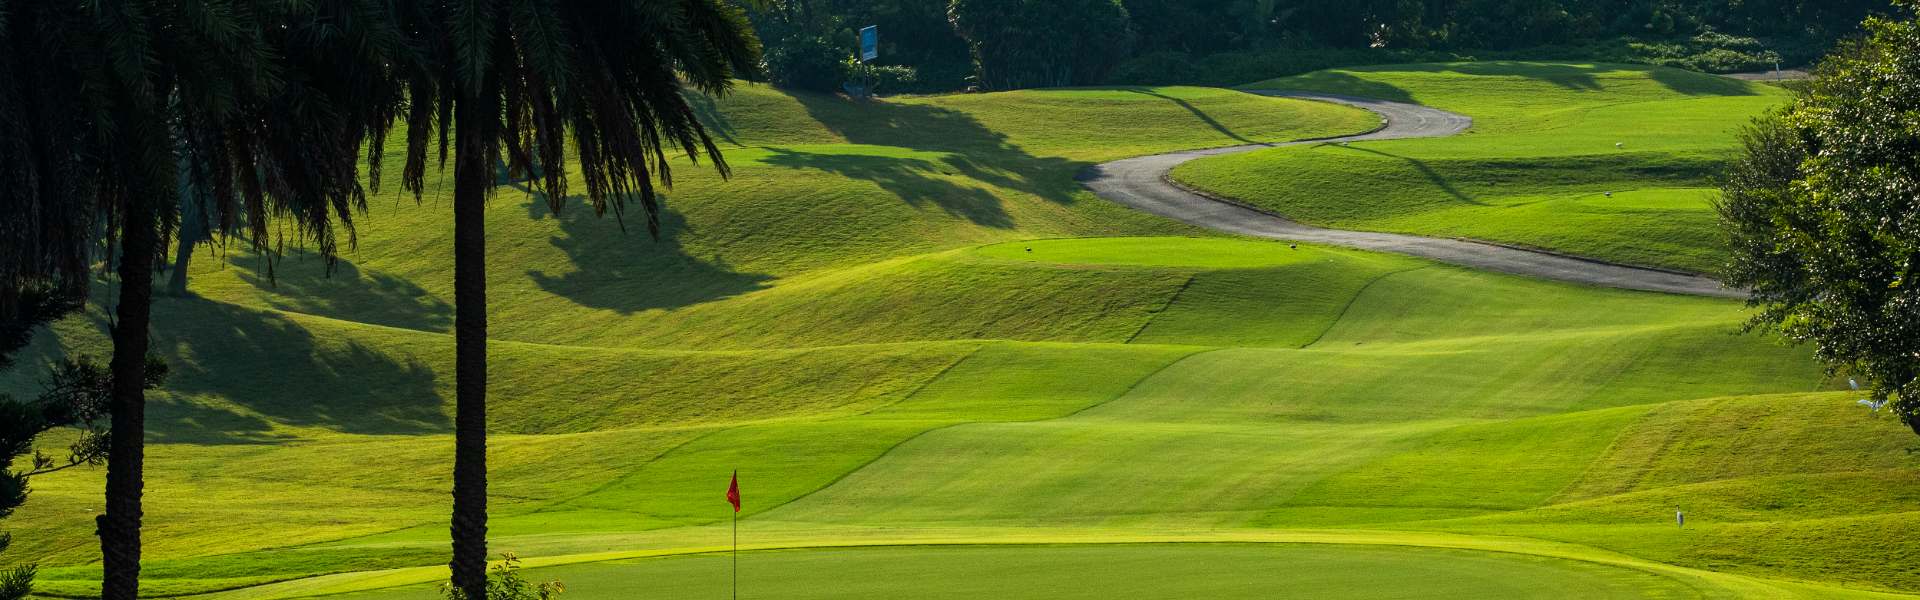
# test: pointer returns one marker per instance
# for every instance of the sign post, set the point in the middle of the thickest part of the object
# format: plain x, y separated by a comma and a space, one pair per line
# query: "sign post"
869, 50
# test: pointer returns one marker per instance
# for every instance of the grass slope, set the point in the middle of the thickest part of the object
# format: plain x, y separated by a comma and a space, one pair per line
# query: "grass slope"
857, 324
1539, 168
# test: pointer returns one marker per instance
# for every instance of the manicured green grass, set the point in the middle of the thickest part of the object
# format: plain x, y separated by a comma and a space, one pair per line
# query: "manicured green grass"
856, 324
1536, 168
1172, 572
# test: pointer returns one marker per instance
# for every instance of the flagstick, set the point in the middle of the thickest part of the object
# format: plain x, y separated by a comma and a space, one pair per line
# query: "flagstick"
736, 554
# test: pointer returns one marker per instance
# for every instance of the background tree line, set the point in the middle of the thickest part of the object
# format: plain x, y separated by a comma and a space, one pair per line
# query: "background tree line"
950, 45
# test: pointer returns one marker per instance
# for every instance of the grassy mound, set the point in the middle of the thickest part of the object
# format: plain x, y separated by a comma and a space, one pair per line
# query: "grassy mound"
1539, 168
871, 325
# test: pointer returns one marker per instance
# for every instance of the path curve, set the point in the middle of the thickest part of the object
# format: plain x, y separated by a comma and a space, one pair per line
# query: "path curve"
1141, 184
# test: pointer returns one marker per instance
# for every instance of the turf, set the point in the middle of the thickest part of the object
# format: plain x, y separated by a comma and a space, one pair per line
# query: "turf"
1540, 167
1181, 571
855, 322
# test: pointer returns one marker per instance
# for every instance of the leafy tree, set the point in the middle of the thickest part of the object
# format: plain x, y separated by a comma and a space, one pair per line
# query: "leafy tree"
1822, 211
106, 107
808, 63
76, 395
533, 78
1041, 43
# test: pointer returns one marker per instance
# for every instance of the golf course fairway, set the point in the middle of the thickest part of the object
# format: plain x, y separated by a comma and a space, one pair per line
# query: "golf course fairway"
942, 369
1147, 572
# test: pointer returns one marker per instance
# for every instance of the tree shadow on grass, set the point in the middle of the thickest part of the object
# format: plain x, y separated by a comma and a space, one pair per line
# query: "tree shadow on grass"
1426, 171
1197, 113
280, 371
237, 373
710, 116
1336, 82
989, 157
627, 270
350, 294
911, 179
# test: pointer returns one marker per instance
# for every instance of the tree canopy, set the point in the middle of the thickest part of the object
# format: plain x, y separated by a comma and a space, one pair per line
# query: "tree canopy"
1822, 211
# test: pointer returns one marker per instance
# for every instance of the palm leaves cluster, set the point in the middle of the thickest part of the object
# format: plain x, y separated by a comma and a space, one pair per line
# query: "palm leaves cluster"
262, 112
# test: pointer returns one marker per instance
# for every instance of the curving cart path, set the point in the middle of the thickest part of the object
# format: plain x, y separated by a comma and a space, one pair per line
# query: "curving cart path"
1141, 183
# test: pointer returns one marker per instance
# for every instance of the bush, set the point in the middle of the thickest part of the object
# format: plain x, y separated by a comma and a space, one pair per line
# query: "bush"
806, 63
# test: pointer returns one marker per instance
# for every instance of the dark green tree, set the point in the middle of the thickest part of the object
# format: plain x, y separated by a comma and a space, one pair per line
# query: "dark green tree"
534, 79
1020, 44
1822, 212
76, 395
106, 107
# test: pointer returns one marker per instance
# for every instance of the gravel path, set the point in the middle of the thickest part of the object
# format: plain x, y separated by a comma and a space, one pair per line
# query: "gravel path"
1141, 183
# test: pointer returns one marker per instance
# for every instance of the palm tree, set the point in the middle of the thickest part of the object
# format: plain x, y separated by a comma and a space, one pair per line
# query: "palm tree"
533, 78
106, 106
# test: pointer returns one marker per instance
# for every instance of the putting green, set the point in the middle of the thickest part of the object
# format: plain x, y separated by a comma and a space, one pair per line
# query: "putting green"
1318, 571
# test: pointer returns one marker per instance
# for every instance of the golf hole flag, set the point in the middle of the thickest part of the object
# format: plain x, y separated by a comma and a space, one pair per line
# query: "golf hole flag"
733, 491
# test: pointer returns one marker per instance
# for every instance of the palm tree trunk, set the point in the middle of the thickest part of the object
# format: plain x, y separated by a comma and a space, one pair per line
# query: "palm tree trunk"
177, 282
126, 451
473, 178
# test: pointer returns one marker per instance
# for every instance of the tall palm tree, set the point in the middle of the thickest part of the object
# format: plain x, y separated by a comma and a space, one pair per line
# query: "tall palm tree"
536, 78
105, 106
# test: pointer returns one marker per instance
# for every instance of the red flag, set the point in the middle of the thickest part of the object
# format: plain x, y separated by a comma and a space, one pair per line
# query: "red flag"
733, 491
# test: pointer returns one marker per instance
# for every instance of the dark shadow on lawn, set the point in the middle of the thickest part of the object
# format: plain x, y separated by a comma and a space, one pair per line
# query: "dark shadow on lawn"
709, 115
629, 271
1197, 113
1335, 82
988, 155
302, 285
1426, 171
274, 366
911, 179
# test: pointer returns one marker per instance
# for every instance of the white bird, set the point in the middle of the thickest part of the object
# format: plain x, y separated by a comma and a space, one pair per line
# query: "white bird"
1343, 143
1619, 144
1609, 194
1855, 384
1874, 404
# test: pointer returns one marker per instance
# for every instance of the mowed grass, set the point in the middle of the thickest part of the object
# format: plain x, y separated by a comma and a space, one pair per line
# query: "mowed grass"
818, 183
856, 324
1540, 167
1168, 571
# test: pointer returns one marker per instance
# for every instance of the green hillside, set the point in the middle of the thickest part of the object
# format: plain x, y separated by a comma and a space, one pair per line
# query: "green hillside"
1540, 167
907, 329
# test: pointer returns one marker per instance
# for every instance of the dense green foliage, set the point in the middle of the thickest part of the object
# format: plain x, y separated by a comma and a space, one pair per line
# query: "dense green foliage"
1041, 43
1227, 43
1539, 168
807, 63
1820, 212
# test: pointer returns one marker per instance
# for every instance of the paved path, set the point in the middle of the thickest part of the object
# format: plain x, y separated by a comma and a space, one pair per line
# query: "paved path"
1141, 183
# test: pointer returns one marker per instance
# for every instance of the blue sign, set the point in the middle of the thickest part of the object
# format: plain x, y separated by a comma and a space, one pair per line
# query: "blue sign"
870, 43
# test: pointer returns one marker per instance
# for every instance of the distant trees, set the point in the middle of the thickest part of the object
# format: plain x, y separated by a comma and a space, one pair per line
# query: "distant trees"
1822, 212
1041, 43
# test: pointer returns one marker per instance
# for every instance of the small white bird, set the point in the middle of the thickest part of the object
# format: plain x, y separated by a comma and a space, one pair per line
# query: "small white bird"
1619, 144
1609, 194
1855, 384
1875, 405
1343, 143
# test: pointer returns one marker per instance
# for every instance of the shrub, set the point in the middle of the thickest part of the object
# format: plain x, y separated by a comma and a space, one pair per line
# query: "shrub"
806, 63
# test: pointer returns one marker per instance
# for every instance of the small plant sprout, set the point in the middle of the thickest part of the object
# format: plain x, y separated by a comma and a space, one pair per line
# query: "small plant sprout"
505, 583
